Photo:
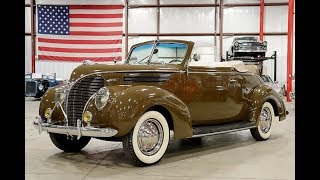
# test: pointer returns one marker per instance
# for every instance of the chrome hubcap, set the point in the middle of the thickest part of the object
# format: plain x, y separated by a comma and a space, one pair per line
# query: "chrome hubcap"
150, 137
265, 120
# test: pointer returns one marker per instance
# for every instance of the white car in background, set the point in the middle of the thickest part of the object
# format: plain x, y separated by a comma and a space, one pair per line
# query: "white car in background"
275, 85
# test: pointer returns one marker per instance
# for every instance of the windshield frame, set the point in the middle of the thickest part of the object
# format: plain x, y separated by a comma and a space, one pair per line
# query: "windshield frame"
154, 43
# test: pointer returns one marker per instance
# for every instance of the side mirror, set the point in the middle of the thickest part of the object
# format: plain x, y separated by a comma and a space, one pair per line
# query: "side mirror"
196, 57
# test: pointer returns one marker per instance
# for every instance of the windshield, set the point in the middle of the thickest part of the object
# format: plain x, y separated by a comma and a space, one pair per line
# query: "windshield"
163, 53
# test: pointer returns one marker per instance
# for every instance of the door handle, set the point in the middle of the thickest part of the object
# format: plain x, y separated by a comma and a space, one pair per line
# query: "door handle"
233, 80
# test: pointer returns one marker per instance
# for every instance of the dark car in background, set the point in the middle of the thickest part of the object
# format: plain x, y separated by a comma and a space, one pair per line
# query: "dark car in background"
37, 84
248, 46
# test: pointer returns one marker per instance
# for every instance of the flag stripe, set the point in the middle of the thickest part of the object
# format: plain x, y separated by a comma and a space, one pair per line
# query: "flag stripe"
77, 50
96, 29
88, 33
96, 11
96, 20
96, 7
95, 15
114, 24
77, 59
71, 41
68, 54
76, 37
82, 46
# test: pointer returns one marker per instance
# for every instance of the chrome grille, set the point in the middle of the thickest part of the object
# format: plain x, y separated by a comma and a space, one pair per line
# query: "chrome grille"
30, 88
79, 95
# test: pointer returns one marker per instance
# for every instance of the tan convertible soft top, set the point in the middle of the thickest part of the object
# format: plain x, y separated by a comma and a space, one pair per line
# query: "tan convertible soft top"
238, 65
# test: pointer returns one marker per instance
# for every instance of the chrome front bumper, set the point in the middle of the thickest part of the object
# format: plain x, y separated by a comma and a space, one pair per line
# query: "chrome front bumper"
74, 131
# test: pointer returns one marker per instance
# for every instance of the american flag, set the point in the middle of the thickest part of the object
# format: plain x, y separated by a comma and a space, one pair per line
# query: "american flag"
79, 32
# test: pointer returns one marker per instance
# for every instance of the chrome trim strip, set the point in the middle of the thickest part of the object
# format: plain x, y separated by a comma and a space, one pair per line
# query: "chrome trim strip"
75, 131
124, 71
221, 132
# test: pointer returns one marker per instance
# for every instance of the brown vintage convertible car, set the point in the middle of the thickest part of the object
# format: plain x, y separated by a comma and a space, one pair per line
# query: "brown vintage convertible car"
157, 90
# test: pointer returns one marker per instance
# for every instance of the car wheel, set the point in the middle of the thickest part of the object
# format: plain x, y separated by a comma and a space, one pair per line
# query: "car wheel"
69, 145
148, 140
265, 123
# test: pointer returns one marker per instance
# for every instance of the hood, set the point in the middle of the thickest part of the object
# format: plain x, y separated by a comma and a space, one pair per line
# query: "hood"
83, 70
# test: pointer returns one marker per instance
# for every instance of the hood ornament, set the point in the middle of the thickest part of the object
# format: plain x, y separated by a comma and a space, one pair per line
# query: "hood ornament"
87, 62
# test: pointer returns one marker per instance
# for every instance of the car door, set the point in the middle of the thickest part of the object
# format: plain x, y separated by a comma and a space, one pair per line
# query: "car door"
212, 96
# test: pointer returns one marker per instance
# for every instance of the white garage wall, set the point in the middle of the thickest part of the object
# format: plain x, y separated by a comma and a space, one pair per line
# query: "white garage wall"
137, 2
199, 20
27, 19
187, 1
142, 20
278, 43
27, 54
27, 59
276, 19
240, 1
241, 19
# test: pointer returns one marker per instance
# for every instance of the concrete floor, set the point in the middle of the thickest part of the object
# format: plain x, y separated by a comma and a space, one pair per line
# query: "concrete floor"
226, 156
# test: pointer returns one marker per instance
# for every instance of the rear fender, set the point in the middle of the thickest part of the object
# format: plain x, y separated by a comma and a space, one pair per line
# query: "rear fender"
261, 94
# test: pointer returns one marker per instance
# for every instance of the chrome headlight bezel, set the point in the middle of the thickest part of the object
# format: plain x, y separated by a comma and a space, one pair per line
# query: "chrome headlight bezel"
101, 98
40, 87
60, 94
264, 43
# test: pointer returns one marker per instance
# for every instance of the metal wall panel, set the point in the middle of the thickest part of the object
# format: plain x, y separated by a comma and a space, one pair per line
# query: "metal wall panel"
27, 54
276, 19
241, 19
187, 20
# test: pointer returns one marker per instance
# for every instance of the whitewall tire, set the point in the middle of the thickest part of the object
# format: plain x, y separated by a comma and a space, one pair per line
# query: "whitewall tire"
266, 123
148, 140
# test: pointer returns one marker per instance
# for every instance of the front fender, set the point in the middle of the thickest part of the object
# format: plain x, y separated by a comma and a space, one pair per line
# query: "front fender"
47, 101
127, 104
261, 94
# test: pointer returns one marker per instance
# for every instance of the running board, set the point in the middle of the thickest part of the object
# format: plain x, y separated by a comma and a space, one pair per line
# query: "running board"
199, 131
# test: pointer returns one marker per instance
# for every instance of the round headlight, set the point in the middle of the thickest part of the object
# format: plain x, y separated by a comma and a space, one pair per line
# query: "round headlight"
264, 43
236, 43
47, 113
41, 87
102, 98
60, 95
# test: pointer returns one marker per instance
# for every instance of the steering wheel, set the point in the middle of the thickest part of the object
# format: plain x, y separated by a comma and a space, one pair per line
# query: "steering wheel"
175, 60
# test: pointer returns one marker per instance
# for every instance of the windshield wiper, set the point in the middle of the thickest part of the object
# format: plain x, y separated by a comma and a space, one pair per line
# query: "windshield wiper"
143, 59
